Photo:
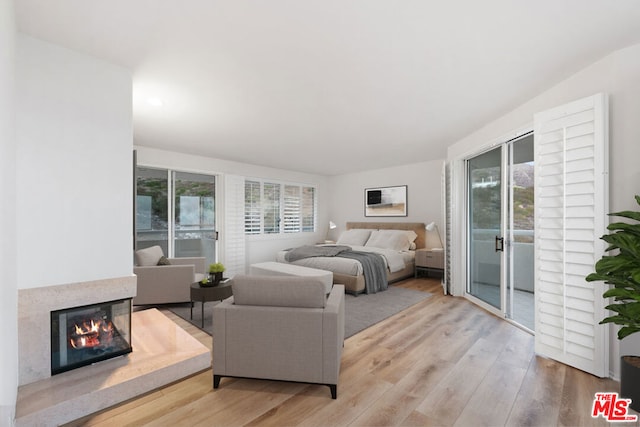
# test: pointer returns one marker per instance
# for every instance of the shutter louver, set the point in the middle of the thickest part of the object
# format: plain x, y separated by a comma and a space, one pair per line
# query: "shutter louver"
570, 210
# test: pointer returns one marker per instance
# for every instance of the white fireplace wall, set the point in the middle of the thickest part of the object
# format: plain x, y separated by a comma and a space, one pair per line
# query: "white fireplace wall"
74, 166
8, 287
74, 195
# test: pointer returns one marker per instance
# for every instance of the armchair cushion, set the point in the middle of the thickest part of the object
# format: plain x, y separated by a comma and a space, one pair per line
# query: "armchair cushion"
148, 256
278, 291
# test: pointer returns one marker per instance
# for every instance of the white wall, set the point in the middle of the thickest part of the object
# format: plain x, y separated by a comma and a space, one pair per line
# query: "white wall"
258, 248
8, 284
74, 166
424, 192
618, 76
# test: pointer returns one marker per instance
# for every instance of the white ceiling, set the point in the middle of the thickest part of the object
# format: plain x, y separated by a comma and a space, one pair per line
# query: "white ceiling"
320, 85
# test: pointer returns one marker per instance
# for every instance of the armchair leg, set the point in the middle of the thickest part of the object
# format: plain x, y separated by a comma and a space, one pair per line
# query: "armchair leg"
334, 390
216, 381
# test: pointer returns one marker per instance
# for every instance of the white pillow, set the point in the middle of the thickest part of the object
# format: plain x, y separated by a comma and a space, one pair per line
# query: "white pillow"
354, 237
412, 236
148, 256
398, 240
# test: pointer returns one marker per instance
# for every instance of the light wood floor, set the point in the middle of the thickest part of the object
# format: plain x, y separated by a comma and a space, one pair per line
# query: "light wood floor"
442, 362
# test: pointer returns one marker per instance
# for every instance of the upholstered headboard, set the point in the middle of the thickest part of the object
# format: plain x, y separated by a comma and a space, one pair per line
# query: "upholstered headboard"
417, 227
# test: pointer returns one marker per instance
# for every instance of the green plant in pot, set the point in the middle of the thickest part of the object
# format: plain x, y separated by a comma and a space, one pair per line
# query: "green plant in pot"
622, 271
215, 271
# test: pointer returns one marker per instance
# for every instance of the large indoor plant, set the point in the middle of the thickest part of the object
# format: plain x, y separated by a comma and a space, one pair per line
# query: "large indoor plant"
621, 269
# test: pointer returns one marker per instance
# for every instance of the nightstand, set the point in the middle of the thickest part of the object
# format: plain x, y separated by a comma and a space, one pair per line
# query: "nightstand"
428, 260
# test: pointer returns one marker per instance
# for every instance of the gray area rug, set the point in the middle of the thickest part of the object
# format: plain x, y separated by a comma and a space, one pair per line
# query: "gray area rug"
361, 312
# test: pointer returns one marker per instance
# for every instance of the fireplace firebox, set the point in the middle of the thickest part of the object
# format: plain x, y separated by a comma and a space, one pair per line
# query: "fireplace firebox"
84, 335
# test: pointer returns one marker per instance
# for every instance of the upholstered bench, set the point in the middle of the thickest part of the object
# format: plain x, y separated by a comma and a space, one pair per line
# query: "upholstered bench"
281, 269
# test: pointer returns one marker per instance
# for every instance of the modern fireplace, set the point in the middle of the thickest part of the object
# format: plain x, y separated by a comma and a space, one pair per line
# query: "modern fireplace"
84, 335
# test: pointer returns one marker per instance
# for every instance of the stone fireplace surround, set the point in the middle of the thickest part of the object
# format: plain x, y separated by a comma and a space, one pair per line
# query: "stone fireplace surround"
34, 321
162, 353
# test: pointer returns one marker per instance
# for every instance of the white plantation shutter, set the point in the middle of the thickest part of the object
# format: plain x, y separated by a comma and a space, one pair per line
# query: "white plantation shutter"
308, 215
292, 209
234, 225
446, 204
271, 208
571, 203
252, 207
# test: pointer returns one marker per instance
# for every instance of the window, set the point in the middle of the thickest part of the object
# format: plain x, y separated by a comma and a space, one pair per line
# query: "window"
274, 208
176, 210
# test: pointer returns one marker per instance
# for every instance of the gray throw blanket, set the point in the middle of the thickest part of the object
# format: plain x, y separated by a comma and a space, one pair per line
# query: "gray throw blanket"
314, 251
373, 267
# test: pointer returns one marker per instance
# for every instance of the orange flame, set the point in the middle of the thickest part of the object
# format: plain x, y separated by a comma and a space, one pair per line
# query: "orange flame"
91, 335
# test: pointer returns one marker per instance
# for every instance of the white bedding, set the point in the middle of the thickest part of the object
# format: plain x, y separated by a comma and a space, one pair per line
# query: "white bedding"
395, 261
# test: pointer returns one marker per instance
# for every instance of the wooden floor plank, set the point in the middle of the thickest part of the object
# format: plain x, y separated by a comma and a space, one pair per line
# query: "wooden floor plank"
538, 400
577, 412
448, 398
440, 362
401, 399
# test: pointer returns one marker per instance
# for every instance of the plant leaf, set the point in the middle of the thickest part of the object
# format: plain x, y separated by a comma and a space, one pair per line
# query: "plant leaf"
627, 214
624, 227
625, 331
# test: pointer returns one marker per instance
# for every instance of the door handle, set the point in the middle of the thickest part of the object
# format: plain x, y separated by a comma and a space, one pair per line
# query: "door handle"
499, 244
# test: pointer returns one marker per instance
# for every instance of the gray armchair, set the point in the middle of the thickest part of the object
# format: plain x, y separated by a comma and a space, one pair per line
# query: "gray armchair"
169, 283
279, 328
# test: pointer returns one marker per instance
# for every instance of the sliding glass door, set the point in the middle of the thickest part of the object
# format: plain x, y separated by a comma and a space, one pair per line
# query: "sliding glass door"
501, 229
520, 233
194, 215
176, 210
152, 209
485, 227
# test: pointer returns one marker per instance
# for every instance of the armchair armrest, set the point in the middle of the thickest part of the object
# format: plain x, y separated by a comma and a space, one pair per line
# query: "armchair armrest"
333, 333
200, 263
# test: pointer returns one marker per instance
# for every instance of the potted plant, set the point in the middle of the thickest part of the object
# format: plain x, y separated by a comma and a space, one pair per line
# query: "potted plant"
205, 282
216, 270
622, 271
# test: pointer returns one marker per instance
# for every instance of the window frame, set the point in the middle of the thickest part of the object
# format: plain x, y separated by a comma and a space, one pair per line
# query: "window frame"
297, 212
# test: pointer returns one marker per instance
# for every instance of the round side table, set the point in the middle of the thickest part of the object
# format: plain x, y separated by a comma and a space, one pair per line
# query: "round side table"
209, 293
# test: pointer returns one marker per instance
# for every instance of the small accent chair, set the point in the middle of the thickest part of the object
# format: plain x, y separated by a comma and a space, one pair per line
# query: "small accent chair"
279, 328
165, 283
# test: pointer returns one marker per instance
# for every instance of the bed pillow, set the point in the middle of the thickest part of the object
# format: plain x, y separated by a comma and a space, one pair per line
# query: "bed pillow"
398, 240
354, 237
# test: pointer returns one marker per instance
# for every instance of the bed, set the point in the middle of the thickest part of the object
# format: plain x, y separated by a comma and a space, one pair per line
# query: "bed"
399, 264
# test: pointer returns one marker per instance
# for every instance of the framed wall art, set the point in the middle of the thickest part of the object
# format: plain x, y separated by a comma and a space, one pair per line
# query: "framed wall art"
385, 201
